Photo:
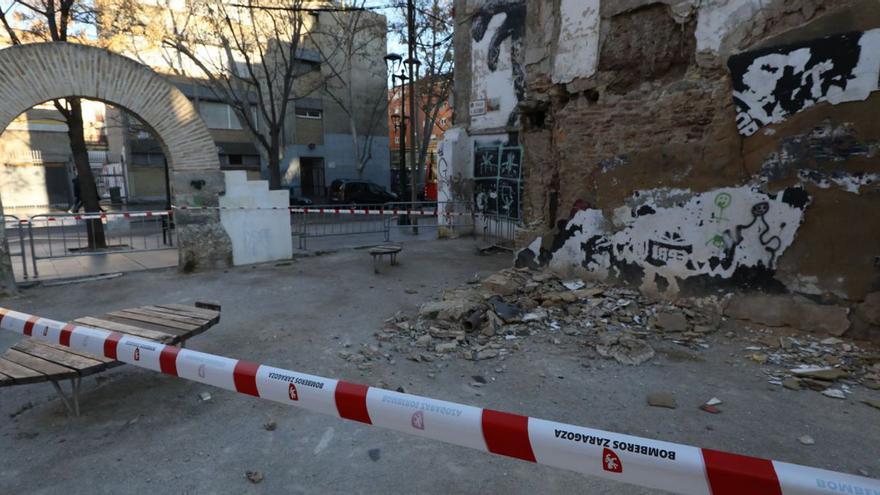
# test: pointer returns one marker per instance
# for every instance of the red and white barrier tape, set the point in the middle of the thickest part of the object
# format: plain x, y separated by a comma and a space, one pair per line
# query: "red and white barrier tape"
101, 216
335, 210
650, 463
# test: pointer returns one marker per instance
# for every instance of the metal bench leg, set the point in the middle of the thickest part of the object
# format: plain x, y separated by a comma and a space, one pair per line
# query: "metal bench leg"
393, 259
375, 264
71, 403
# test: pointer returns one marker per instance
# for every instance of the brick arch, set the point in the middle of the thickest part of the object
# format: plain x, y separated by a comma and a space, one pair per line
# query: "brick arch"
35, 73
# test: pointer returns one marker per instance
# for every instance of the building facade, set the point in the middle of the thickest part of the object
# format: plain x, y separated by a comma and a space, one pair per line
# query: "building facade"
679, 146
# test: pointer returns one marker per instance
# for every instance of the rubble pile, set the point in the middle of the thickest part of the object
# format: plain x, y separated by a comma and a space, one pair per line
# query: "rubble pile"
828, 365
492, 318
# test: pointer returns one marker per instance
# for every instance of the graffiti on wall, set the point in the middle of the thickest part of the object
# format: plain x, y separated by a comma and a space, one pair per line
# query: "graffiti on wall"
771, 84
498, 29
498, 179
660, 242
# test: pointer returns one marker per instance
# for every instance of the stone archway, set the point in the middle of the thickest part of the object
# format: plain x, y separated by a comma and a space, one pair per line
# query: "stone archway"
35, 73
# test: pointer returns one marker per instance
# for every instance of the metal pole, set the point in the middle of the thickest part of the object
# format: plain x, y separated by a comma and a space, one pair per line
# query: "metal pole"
411, 42
403, 220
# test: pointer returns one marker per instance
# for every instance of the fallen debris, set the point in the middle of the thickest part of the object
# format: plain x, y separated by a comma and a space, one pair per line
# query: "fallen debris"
806, 440
254, 477
834, 393
662, 399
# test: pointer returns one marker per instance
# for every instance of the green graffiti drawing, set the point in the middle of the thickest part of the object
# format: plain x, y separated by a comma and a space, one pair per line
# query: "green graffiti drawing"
722, 201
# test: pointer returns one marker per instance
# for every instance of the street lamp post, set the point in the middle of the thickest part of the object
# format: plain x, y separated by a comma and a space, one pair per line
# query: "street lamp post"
399, 121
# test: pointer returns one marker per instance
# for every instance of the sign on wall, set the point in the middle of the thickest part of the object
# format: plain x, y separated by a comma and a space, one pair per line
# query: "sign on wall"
498, 180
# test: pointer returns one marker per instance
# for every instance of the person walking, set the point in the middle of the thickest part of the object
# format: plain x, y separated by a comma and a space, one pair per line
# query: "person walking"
77, 196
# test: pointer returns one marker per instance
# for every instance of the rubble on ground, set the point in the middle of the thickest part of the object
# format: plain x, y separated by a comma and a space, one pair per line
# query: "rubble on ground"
494, 317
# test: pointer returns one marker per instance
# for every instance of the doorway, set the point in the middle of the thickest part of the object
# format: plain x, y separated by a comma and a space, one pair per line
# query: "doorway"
312, 178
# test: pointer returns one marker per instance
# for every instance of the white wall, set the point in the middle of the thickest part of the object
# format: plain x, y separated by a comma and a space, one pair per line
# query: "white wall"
577, 53
258, 233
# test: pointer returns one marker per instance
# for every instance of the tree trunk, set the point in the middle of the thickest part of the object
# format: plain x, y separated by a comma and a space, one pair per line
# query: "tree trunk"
88, 189
274, 162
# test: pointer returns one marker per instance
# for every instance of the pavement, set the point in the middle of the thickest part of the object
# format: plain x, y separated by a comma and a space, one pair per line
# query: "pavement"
143, 432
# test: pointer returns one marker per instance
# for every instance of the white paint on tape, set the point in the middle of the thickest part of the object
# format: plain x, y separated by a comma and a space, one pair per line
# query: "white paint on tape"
144, 353
424, 417
310, 392
803, 480
206, 368
88, 339
14, 321
667, 466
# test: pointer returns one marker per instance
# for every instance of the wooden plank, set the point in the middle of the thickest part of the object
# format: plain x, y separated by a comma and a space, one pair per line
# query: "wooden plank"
20, 374
175, 312
84, 354
48, 368
114, 326
166, 316
186, 327
178, 334
207, 313
57, 356
5, 380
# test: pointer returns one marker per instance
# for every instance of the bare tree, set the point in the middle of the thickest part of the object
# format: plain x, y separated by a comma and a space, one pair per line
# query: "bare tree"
351, 39
58, 20
248, 53
433, 49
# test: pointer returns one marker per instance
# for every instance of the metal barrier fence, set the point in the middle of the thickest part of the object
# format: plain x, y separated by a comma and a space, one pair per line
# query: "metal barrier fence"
335, 220
66, 235
12, 222
498, 230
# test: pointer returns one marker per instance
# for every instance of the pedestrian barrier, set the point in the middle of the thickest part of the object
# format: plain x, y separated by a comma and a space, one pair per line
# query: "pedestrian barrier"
72, 234
12, 222
640, 461
498, 230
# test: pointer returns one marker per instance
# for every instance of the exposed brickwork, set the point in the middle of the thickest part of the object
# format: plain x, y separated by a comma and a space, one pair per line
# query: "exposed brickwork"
35, 73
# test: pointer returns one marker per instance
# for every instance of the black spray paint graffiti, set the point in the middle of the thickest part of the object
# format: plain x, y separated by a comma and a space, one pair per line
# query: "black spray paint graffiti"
498, 180
732, 238
513, 27
773, 83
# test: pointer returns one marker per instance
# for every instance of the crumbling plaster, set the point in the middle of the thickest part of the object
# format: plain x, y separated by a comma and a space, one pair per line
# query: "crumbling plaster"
594, 142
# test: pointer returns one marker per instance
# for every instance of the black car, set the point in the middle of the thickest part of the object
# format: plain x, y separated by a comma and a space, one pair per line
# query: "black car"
351, 191
297, 200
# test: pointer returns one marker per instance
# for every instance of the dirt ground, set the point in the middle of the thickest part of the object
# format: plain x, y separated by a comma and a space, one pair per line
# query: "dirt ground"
142, 432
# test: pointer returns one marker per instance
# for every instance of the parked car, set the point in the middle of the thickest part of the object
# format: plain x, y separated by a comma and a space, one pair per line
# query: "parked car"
297, 200
351, 191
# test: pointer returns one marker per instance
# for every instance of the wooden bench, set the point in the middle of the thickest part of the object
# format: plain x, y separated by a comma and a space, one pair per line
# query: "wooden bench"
34, 361
390, 250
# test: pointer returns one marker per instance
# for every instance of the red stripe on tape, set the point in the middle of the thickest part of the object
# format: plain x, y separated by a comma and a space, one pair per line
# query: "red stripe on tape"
66, 332
29, 325
732, 474
110, 344
2, 315
245, 377
351, 401
507, 434
168, 360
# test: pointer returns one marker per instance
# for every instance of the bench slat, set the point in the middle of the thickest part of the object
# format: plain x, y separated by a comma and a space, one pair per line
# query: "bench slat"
155, 321
166, 316
51, 370
174, 312
90, 321
57, 356
19, 373
207, 313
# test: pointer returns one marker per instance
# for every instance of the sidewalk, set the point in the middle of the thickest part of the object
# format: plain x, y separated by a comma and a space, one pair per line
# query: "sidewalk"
85, 266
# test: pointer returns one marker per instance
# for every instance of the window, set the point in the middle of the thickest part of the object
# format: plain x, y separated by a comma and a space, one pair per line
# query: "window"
433, 137
443, 121
396, 139
219, 115
304, 113
235, 160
